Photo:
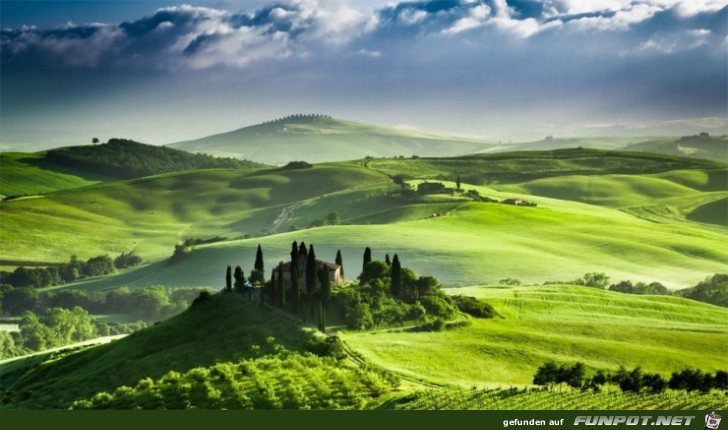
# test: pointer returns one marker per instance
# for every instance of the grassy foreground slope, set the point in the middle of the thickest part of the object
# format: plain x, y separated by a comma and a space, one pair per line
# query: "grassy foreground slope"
562, 323
225, 328
321, 139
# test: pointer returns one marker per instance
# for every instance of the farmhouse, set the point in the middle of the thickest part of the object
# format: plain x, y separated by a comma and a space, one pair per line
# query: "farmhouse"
334, 271
434, 188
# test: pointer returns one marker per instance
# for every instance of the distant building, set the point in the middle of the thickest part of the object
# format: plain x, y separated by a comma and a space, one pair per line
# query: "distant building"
518, 202
333, 269
434, 188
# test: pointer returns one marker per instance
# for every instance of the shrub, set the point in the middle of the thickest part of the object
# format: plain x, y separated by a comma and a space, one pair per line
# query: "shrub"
474, 307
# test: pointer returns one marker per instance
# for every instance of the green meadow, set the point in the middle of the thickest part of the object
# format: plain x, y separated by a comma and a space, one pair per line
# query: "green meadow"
634, 216
31, 173
563, 323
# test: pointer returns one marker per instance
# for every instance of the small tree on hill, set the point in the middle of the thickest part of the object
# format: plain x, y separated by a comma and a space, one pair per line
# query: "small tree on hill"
229, 279
457, 183
340, 262
387, 260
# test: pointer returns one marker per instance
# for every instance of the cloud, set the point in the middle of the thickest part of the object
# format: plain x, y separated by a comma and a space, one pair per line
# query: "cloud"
191, 37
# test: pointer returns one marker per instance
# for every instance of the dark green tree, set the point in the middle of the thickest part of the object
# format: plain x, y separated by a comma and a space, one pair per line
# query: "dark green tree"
396, 275
239, 279
367, 258
229, 279
295, 287
340, 262
280, 289
302, 251
325, 283
457, 182
259, 265
387, 260
311, 277
322, 319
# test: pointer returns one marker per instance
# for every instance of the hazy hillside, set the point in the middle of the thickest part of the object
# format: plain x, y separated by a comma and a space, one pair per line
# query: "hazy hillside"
316, 138
700, 146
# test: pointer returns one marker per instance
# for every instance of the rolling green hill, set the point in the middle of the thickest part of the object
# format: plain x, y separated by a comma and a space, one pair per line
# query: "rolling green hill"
31, 173
321, 138
563, 323
127, 159
561, 239
701, 146
226, 328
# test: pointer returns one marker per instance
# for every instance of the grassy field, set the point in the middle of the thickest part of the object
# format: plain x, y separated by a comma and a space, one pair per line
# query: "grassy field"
151, 215
613, 229
508, 399
226, 328
563, 323
30, 173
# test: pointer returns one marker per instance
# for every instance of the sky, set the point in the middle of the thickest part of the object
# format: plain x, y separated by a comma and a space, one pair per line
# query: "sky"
507, 70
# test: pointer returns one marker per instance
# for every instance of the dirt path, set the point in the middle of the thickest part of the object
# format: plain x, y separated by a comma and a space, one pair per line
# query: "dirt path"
284, 217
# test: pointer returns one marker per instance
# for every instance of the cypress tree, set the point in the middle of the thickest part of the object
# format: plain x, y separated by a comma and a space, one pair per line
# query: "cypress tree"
229, 279
259, 260
239, 279
322, 319
281, 300
367, 258
457, 183
387, 260
396, 275
340, 262
302, 252
323, 276
311, 277
295, 287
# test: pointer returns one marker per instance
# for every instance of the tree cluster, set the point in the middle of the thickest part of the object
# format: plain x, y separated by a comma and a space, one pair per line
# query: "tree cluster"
127, 159
68, 272
390, 294
146, 304
635, 380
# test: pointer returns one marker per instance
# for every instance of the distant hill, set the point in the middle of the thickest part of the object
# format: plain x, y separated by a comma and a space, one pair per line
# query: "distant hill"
550, 143
127, 159
700, 146
320, 138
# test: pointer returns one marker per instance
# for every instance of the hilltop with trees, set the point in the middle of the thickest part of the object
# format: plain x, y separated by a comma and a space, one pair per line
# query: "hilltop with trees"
127, 159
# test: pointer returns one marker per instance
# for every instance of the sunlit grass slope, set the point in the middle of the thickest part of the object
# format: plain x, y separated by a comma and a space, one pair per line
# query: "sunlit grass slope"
151, 215
30, 173
563, 323
472, 243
